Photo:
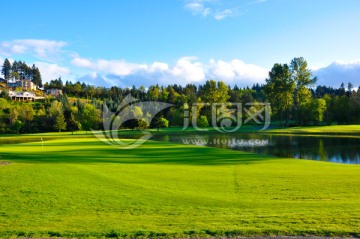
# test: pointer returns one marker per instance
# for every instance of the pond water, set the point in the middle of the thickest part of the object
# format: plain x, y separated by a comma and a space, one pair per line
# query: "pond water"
337, 149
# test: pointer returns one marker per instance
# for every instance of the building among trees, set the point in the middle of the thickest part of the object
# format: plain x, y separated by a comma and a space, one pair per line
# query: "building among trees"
25, 84
54, 92
23, 96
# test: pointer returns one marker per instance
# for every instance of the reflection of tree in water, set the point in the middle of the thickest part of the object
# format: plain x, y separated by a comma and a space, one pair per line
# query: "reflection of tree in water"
324, 148
322, 151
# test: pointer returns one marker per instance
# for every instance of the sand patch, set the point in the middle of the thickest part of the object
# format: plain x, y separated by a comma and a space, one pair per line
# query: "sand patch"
4, 163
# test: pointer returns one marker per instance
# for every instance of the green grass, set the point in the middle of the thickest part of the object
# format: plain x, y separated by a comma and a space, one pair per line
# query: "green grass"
80, 187
333, 129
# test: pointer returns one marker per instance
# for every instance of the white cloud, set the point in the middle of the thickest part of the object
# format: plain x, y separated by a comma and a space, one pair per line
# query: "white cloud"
236, 71
116, 67
225, 13
119, 67
81, 62
219, 9
158, 67
43, 49
51, 71
198, 8
339, 72
185, 70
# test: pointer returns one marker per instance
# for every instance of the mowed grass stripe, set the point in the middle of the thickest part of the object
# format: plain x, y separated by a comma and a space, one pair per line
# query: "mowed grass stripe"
327, 130
83, 187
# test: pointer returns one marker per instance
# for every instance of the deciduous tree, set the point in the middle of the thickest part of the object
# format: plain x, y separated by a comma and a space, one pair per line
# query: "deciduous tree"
279, 89
203, 122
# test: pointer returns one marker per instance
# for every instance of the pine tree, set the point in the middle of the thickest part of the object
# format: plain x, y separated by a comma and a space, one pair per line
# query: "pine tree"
36, 76
6, 69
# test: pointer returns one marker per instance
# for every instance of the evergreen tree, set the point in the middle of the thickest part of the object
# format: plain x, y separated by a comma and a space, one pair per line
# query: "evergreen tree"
15, 67
36, 76
6, 69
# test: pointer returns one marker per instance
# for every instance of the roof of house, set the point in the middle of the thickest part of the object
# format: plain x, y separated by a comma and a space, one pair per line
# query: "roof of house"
21, 94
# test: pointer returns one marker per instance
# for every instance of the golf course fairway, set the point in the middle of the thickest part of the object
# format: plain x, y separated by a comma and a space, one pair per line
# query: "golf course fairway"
81, 187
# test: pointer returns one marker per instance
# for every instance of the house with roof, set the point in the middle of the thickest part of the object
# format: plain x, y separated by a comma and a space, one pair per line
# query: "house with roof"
21, 96
24, 96
25, 84
54, 92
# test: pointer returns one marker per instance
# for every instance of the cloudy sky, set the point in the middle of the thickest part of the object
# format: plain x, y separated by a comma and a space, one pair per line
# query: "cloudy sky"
142, 42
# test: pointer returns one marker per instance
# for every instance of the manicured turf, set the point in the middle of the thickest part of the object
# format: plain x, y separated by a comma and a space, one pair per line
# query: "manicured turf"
76, 187
333, 129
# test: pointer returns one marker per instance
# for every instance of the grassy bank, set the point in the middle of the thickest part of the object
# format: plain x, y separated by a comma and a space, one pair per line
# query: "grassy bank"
75, 187
333, 129
330, 130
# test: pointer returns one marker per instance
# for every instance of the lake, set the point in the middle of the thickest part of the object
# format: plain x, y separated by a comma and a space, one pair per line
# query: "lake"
337, 149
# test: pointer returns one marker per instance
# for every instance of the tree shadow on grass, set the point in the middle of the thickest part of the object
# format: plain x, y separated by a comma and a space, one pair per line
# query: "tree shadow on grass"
148, 154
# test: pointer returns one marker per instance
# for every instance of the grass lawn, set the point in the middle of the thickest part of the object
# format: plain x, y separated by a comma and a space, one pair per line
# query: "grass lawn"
332, 129
79, 187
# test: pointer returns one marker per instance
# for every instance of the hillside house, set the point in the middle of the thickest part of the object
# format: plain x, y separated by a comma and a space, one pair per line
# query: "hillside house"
54, 92
26, 85
21, 96
24, 96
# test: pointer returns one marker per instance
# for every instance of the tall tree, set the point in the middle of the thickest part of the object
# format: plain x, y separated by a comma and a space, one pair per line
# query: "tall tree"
60, 123
318, 107
26, 113
6, 69
56, 108
279, 90
301, 73
71, 123
15, 67
355, 106
36, 76
215, 92
90, 117
303, 79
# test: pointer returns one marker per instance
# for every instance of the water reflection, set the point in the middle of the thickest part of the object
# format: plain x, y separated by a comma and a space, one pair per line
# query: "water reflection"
321, 148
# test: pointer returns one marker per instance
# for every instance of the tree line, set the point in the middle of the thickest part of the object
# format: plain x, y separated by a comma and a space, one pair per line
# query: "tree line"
289, 88
20, 70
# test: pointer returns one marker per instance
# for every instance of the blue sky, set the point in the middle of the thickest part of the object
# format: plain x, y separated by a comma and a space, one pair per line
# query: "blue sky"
133, 42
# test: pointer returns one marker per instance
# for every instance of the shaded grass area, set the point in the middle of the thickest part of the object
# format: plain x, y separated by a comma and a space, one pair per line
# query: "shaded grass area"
80, 187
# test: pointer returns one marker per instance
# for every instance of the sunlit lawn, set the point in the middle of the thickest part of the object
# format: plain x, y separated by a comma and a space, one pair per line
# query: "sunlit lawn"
82, 187
332, 129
